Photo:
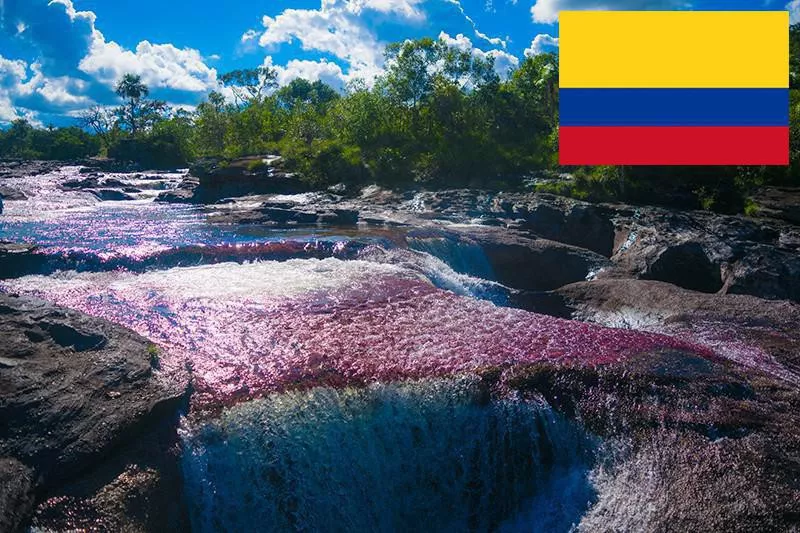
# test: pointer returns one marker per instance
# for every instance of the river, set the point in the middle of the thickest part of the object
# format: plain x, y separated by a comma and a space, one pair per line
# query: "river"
336, 371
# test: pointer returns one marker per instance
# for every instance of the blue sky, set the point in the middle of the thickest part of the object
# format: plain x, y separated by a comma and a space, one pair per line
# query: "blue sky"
58, 57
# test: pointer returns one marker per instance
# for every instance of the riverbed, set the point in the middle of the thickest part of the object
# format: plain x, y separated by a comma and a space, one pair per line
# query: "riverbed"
338, 374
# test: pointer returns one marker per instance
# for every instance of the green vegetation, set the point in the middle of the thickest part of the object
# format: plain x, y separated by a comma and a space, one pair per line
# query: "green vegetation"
24, 141
438, 117
154, 355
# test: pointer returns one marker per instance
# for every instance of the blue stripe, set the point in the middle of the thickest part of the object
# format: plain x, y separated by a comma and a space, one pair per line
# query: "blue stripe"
674, 107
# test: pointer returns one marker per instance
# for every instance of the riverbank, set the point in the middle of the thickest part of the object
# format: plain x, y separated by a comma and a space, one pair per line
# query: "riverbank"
659, 347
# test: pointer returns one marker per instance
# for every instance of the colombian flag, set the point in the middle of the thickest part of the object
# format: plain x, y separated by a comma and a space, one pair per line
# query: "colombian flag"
674, 88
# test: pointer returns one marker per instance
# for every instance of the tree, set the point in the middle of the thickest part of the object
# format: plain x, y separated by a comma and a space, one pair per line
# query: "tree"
249, 85
137, 113
210, 122
100, 121
409, 76
303, 92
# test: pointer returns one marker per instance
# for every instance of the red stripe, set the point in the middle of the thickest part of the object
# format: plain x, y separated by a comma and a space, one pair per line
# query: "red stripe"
673, 145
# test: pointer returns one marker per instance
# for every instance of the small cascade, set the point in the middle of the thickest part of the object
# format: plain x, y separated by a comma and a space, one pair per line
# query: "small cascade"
146, 256
429, 455
462, 256
439, 272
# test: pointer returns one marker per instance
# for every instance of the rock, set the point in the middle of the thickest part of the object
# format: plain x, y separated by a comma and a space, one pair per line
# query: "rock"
74, 388
221, 178
714, 440
698, 443
19, 259
90, 182
697, 250
8, 193
11, 168
111, 195
137, 488
708, 252
779, 202
685, 265
338, 217
765, 271
571, 222
180, 195
283, 215
17, 499
97, 164
658, 306
515, 259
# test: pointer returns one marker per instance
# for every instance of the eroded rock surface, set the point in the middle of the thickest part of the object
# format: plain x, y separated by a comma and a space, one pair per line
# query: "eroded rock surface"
696, 250
74, 388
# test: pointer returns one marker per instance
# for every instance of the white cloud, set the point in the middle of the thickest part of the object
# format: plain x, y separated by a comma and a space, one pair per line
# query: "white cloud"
339, 28
59, 91
406, 9
9, 113
503, 61
793, 8
496, 41
546, 11
73, 13
75, 65
542, 43
325, 71
333, 29
249, 40
159, 65
12, 73
22, 84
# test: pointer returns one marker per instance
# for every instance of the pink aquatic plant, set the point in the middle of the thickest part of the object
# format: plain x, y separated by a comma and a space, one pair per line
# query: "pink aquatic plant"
247, 330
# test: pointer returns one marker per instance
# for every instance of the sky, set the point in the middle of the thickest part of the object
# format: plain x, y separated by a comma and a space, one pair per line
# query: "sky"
60, 57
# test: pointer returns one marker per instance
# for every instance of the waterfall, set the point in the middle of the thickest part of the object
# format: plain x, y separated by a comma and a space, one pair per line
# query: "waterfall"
430, 455
439, 272
462, 256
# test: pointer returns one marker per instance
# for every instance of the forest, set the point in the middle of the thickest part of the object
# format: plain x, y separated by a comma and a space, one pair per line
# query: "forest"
439, 117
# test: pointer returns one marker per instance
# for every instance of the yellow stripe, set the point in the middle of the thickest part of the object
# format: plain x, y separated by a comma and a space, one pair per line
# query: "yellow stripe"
692, 49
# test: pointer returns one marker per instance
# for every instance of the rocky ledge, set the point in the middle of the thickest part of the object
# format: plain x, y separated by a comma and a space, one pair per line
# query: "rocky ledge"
710, 444
697, 250
212, 179
75, 391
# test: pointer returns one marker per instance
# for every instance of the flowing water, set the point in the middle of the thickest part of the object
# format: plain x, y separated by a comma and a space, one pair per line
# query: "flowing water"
334, 371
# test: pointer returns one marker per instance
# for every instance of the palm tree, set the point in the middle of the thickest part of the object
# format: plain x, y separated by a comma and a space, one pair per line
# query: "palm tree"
132, 90
131, 87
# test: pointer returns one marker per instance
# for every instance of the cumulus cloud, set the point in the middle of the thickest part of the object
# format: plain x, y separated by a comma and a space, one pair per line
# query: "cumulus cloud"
76, 66
24, 87
340, 28
332, 29
503, 61
407, 9
323, 70
546, 11
159, 65
543, 43
61, 34
793, 8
